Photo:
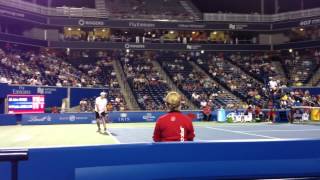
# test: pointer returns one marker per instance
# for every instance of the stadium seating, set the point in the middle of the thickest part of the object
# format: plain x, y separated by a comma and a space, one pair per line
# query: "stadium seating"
258, 66
45, 68
145, 81
30, 67
242, 85
196, 85
142, 9
300, 66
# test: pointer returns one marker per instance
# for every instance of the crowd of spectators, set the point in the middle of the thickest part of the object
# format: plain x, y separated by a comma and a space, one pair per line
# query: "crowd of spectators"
146, 82
42, 68
300, 66
241, 84
45, 68
259, 66
142, 9
304, 34
197, 86
299, 97
115, 100
159, 36
102, 72
260, 84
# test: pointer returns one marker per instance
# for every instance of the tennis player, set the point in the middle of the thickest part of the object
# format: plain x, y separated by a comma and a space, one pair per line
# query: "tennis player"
100, 109
173, 126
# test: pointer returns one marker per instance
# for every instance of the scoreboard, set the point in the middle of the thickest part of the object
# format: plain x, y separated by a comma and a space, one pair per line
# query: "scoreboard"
24, 104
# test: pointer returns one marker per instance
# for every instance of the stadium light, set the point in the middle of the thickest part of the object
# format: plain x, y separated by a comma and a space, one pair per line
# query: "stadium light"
290, 50
215, 32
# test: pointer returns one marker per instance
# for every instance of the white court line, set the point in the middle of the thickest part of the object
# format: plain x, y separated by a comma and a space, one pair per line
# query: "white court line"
284, 130
240, 132
131, 127
112, 137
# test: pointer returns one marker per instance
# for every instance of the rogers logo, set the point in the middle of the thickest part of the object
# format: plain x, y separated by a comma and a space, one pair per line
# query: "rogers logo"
305, 23
81, 22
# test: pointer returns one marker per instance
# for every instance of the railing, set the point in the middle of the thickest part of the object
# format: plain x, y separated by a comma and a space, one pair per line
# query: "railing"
13, 156
60, 11
261, 18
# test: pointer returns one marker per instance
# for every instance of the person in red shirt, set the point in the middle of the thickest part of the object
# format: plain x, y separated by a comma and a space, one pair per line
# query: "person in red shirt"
173, 126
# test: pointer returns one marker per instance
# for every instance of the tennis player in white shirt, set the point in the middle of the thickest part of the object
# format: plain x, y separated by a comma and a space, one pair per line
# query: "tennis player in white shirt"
101, 109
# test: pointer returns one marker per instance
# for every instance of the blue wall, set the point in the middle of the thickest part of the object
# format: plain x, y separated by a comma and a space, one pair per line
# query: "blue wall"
293, 158
9, 119
87, 118
76, 94
116, 117
312, 90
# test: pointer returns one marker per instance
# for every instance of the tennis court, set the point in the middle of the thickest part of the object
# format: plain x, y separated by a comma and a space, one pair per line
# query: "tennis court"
86, 135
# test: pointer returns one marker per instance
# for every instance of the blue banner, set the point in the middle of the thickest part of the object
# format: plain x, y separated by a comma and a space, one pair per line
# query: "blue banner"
67, 118
147, 116
87, 118
76, 94
159, 46
8, 119
94, 22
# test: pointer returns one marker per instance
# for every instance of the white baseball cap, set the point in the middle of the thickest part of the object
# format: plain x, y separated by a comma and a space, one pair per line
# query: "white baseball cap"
103, 93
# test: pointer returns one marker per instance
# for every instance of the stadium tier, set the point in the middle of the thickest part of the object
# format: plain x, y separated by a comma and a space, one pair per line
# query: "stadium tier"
96, 89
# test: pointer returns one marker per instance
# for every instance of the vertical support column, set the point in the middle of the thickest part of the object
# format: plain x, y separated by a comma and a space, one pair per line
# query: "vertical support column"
45, 34
276, 6
262, 7
49, 3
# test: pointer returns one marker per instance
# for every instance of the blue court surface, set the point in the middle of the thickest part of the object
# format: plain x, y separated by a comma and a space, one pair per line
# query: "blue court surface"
226, 132
33, 136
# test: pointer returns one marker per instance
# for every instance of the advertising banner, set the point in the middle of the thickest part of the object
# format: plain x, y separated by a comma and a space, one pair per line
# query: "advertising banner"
91, 22
67, 118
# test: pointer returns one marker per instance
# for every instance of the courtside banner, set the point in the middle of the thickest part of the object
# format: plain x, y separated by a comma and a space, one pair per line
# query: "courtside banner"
87, 118
147, 116
67, 118
8, 119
